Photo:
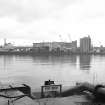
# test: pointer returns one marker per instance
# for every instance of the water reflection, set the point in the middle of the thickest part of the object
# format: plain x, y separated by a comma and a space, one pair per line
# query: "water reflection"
84, 61
30, 68
55, 59
5, 61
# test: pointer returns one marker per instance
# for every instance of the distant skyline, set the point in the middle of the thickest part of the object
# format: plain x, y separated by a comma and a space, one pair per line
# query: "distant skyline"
28, 21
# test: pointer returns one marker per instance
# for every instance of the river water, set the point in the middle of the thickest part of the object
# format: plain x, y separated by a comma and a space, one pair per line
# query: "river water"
66, 70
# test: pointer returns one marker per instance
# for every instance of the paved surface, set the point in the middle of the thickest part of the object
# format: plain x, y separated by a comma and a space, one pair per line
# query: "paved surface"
73, 100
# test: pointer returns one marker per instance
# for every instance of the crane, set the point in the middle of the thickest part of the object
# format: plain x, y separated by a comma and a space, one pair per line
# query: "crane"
69, 36
60, 38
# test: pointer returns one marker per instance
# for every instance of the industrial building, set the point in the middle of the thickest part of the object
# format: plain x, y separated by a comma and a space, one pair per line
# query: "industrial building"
63, 46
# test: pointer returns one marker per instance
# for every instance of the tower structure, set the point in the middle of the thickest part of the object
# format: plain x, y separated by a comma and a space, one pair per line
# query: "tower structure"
85, 44
5, 42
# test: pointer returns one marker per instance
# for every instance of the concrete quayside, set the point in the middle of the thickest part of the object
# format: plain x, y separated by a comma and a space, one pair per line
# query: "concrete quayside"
53, 94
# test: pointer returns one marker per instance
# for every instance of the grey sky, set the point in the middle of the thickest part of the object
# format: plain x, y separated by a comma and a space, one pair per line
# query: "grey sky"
28, 10
44, 20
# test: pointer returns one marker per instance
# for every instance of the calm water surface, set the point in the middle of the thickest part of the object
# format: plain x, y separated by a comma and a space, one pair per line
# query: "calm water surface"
66, 70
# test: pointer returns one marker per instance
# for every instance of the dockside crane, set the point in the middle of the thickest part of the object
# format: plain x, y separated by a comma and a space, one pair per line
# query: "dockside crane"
69, 36
60, 36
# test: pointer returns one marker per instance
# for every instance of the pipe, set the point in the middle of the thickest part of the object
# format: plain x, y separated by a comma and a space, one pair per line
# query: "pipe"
78, 89
98, 91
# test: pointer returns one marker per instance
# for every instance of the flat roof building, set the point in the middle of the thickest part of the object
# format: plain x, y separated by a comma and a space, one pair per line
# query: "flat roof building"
85, 44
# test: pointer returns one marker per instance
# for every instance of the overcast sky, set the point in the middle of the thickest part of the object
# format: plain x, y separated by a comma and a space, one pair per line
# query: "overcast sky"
25, 21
